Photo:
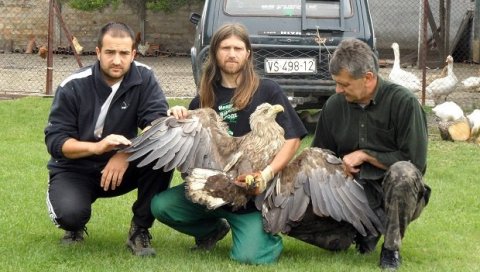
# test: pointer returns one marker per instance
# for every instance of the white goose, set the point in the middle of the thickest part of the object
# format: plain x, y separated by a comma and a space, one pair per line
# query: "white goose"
445, 85
471, 82
402, 77
474, 119
448, 111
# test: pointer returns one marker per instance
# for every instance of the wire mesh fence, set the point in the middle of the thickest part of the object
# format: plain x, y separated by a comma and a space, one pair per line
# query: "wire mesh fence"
25, 74
16, 73
24, 40
450, 32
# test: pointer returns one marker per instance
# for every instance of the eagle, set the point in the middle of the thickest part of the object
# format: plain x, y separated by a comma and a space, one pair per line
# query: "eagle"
210, 159
201, 147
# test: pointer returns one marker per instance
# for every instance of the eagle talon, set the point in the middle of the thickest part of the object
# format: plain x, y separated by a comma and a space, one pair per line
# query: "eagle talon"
250, 182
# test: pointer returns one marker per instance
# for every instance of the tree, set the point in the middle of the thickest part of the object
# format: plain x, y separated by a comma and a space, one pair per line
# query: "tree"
154, 5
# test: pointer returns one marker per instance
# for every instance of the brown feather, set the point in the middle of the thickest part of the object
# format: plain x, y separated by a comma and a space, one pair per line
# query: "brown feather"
222, 186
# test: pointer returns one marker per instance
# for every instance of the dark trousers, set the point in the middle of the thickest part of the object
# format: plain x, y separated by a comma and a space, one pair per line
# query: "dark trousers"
71, 194
398, 199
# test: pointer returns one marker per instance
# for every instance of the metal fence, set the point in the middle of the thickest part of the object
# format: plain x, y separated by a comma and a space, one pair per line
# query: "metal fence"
23, 52
450, 31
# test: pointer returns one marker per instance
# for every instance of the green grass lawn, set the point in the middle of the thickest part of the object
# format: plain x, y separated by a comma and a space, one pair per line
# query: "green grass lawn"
445, 238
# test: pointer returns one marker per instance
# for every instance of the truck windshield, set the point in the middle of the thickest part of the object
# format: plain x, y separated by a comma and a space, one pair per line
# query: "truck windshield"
288, 8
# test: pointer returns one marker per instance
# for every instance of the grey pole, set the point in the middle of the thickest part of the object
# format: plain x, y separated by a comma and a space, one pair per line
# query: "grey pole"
476, 33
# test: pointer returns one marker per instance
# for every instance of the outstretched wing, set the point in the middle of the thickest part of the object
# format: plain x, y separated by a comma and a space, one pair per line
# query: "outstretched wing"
198, 141
316, 178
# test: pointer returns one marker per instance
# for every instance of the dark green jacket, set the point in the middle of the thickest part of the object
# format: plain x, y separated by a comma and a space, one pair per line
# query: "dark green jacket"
391, 128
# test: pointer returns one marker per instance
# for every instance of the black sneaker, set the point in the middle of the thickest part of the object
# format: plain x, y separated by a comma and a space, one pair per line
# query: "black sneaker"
73, 237
390, 259
209, 242
139, 241
366, 244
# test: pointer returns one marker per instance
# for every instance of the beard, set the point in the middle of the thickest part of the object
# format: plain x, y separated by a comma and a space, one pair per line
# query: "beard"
232, 67
113, 74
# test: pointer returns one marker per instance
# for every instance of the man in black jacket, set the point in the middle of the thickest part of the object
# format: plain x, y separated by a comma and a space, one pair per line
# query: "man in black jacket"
95, 111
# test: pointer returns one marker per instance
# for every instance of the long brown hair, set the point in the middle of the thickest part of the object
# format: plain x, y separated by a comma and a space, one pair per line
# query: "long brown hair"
211, 72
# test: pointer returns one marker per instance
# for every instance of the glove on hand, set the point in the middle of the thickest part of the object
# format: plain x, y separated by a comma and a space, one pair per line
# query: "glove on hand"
255, 183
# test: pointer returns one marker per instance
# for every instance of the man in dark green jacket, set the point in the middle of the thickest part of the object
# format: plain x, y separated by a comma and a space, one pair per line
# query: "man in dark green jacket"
379, 130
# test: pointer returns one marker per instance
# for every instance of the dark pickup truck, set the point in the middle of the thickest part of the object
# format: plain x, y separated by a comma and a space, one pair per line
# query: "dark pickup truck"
292, 40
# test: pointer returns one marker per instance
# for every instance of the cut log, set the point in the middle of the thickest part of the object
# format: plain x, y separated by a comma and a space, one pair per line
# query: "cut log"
460, 130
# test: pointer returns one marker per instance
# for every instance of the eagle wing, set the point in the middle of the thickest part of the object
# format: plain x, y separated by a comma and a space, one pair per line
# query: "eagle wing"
198, 141
316, 177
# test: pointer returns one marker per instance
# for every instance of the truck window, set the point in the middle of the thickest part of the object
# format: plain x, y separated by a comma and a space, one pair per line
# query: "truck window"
288, 8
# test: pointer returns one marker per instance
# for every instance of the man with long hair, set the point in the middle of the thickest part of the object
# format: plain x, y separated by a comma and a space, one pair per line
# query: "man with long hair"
231, 87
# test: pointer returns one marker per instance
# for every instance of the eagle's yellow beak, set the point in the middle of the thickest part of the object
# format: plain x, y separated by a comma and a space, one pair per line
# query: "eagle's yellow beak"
277, 108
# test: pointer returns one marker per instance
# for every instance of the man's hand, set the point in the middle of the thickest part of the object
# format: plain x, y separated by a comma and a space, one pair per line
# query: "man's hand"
255, 183
354, 160
179, 112
75, 149
112, 174
111, 142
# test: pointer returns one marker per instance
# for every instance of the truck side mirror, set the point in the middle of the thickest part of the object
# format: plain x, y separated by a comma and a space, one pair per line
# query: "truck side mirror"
195, 18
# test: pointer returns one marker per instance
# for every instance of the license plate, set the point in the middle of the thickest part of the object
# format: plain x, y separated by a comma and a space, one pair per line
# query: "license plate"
291, 66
